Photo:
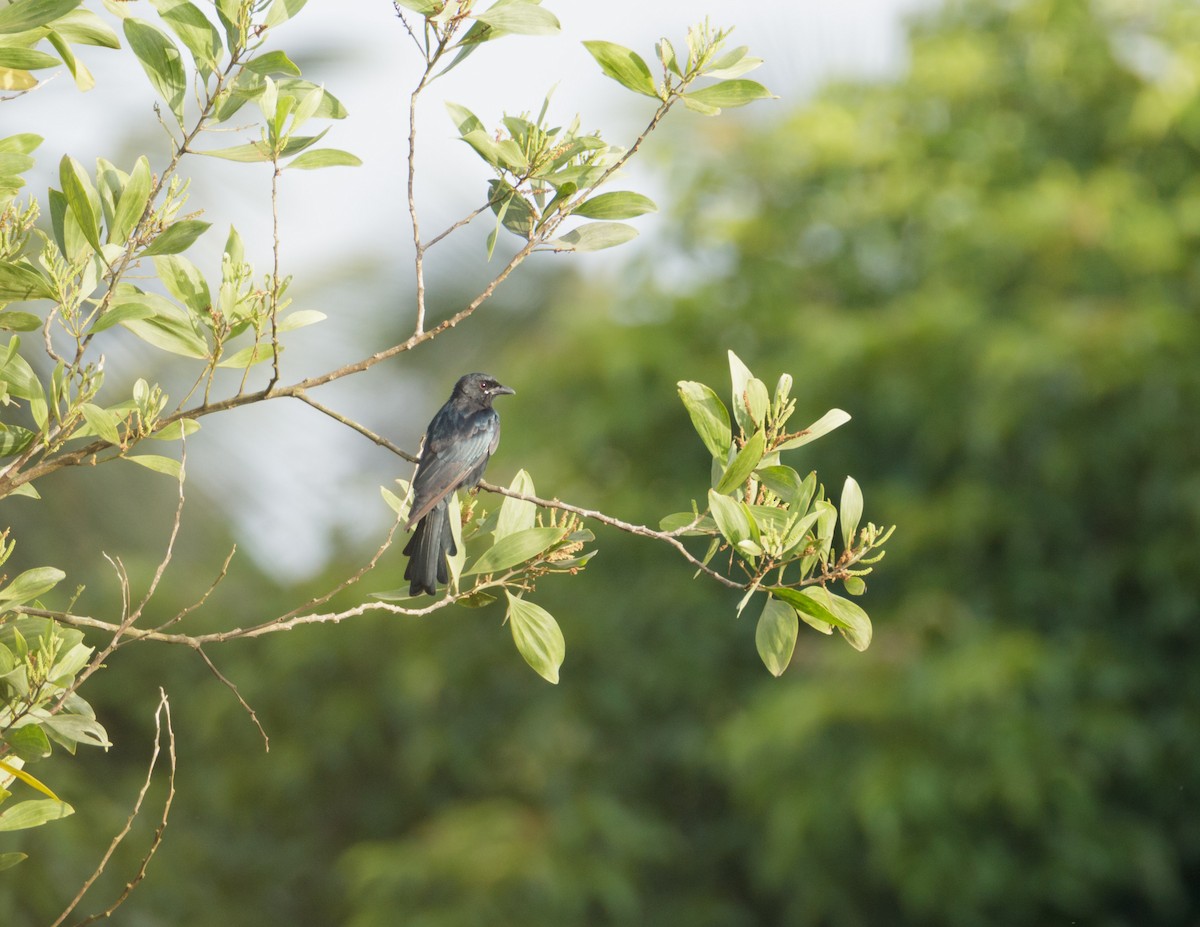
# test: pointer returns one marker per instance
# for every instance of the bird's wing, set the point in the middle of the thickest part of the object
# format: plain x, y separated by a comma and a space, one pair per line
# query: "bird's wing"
453, 450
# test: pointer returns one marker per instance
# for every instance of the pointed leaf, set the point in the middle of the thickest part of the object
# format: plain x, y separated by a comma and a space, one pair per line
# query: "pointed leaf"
516, 514
623, 65
832, 419
33, 813
595, 236
729, 93
156, 462
31, 584
709, 417
323, 157
132, 203
515, 549
537, 636
520, 19
743, 464
21, 281
178, 237
29, 14
775, 636
731, 517
620, 204
82, 199
161, 60
850, 511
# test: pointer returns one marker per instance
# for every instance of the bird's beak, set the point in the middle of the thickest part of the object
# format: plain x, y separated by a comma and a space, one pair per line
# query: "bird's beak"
504, 391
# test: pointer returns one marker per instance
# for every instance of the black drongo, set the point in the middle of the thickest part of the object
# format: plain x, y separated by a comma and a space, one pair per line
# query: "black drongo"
458, 443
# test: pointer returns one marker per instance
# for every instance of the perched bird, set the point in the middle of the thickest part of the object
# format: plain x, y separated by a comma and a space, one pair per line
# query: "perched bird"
458, 443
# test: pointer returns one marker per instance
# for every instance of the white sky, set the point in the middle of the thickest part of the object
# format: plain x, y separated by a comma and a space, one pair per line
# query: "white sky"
300, 476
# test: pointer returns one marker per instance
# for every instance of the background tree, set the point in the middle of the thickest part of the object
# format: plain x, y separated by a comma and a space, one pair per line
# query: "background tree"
989, 263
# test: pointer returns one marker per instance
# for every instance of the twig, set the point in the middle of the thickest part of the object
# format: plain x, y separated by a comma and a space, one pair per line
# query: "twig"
228, 683
164, 708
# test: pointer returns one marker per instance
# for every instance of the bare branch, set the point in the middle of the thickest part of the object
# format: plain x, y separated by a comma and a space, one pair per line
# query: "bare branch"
164, 709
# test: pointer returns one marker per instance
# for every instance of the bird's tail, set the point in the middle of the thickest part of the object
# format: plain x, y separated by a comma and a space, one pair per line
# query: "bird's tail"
427, 550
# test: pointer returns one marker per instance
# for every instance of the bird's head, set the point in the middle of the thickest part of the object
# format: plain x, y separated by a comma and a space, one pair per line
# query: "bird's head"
481, 387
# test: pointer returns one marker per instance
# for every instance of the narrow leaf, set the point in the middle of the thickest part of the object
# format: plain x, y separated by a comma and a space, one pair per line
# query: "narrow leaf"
832, 419
743, 464
178, 237
850, 511
620, 204
161, 60
595, 236
157, 463
729, 93
323, 157
33, 813
25, 15
514, 549
623, 65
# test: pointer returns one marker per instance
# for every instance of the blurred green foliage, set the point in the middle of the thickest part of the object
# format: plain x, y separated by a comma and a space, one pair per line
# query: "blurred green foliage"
991, 264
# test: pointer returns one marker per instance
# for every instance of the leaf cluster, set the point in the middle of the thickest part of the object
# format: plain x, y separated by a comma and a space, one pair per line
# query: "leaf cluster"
776, 527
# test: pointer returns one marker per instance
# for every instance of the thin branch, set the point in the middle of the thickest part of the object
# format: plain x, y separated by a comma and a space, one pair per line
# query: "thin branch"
355, 426
164, 708
228, 683
641, 530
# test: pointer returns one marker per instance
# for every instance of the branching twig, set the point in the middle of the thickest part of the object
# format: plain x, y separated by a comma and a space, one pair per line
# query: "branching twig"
229, 684
164, 709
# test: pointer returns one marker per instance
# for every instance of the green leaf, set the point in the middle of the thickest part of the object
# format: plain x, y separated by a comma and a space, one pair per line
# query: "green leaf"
709, 417
783, 481
758, 400
176, 430
29, 742
300, 319
729, 93
121, 313
323, 157
161, 60
20, 281
283, 10
424, 7
464, 120
620, 204
24, 143
624, 66
170, 332
8, 860
855, 625
832, 419
595, 236
33, 813
514, 549
83, 77
102, 422
194, 30
249, 153
775, 636
675, 521
805, 602
132, 203
31, 584
82, 199
25, 15
516, 514
178, 237
850, 511
28, 59
168, 465
273, 63
184, 281
537, 636
854, 585
732, 518
743, 464
732, 64
248, 356
13, 321
740, 376
83, 27
520, 19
